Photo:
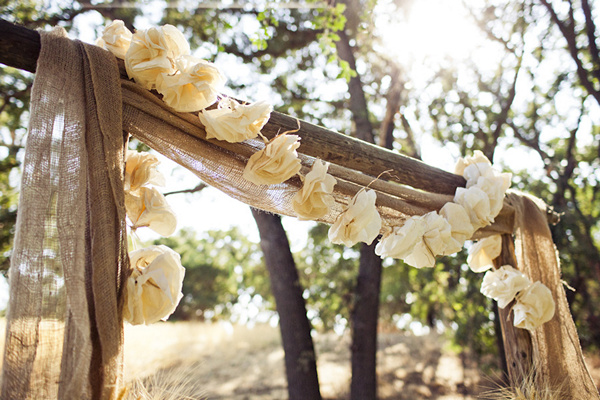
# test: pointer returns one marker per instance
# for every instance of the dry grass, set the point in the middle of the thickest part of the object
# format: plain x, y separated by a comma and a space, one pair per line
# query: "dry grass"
169, 361
224, 362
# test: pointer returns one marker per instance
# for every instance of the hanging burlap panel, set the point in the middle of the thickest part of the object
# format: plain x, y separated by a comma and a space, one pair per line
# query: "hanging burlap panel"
557, 356
64, 327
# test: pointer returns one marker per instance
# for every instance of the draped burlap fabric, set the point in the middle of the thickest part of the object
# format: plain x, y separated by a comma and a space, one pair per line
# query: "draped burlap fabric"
64, 330
557, 353
64, 326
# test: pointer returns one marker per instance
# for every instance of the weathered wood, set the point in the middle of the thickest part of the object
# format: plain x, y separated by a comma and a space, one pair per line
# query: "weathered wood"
517, 342
356, 154
19, 46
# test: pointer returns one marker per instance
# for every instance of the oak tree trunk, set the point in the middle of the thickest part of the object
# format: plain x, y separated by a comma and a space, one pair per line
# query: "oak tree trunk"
300, 360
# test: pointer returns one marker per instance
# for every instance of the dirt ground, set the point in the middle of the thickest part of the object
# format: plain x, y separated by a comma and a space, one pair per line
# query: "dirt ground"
224, 362
176, 361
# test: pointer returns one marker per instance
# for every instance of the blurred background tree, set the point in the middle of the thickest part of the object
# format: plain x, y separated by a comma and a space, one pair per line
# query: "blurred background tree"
526, 93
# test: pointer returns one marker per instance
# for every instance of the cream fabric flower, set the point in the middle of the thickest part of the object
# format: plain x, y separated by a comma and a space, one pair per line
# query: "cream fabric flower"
153, 290
235, 122
140, 170
503, 284
196, 84
314, 200
495, 185
477, 204
276, 163
476, 158
534, 307
153, 52
473, 172
359, 223
149, 208
438, 235
401, 241
457, 217
484, 251
418, 241
116, 38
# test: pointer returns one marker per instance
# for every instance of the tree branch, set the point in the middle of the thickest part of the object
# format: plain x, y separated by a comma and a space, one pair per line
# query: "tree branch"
568, 32
195, 189
590, 27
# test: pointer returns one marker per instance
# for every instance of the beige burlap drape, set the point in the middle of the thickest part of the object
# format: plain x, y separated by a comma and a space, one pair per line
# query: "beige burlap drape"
64, 327
64, 331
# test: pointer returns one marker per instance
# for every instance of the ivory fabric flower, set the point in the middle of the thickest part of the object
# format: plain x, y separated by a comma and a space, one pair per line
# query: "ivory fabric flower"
473, 172
476, 158
401, 241
534, 307
149, 208
495, 185
438, 235
503, 284
235, 122
153, 290
153, 52
116, 38
276, 163
477, 205
419, 240
360, 222
140, 170
196, 84
484, 251
314, 199
457, 217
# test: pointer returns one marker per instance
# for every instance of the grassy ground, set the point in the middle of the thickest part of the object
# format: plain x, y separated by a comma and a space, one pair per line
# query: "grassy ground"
174, 361
224, 362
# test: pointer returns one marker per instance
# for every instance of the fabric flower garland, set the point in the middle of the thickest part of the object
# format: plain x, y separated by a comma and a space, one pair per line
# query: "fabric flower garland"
159, 58
153, 289
534, 304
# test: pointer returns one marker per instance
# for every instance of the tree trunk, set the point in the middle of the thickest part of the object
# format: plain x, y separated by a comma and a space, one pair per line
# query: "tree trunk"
364, 326
300, 360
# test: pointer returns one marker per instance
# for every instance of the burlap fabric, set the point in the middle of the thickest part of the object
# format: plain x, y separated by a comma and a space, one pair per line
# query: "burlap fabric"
64, 332
64, 326
557, 353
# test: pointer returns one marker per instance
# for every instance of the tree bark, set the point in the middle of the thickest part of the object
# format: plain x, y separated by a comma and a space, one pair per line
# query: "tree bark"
300, 360
365, 315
